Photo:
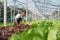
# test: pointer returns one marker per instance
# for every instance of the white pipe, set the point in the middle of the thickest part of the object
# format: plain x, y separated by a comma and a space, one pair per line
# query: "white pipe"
5, 12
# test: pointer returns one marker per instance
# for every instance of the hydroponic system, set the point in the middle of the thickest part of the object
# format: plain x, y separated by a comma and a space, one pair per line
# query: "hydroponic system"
43, 15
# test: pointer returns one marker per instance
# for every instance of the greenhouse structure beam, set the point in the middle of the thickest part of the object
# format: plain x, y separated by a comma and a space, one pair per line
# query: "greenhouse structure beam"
5, 12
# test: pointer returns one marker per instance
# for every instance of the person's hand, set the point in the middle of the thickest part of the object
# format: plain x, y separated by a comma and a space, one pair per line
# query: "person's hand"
29, 25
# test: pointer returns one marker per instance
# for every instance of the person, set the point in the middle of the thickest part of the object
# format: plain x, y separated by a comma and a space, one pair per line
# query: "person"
19, 17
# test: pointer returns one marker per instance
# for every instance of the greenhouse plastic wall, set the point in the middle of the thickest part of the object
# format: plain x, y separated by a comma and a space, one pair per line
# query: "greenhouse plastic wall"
39, 9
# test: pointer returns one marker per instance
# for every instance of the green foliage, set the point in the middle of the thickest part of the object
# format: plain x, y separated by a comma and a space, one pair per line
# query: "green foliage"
39, 31
58, 35
8, 24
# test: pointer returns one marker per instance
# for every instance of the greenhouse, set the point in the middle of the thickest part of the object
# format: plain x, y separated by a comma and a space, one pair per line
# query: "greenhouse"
29, 19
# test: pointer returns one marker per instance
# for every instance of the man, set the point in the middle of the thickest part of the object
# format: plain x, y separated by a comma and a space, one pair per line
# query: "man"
19, 17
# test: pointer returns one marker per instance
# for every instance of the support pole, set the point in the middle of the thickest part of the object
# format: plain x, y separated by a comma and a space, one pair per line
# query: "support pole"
5, 12
18, 11
14, 10
26, 9
0, 13
11, 14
